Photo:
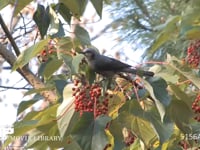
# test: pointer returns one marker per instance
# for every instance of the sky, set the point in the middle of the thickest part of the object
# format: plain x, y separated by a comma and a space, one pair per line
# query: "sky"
12, 98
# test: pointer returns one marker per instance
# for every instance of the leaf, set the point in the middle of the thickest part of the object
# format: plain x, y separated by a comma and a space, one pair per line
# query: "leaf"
52, 65
77, 7
3, 3
19, 5
82, 35
155, 88
89, 133
190, 24
68, 62
164, 130
42, 19
140, 127
174, 63
60, 85
181, 95
98, 5
180, 113
66, 111
24, 105
168, 33
159, 86
116, 131
76, 61
64, 12
29, 53
132, 116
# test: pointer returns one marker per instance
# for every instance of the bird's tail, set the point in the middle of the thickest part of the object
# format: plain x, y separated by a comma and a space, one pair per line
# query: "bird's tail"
139, 72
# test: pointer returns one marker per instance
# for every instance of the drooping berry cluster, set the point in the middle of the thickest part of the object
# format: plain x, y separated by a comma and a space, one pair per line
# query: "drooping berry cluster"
48, 50
89, 98
196, 108
193, 54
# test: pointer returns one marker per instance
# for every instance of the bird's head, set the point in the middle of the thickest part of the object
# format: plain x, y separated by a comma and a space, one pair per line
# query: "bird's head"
90, 53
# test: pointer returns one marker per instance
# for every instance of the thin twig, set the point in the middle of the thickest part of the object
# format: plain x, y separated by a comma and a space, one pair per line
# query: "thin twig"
15, 88
17, 52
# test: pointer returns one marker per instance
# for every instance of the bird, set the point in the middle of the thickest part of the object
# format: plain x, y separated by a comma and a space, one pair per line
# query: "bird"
108, 66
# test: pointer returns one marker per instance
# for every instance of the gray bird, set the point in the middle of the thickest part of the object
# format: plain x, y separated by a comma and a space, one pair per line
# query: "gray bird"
107, 66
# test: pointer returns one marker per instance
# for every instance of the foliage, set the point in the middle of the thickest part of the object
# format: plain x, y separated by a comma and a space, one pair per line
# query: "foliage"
146, 113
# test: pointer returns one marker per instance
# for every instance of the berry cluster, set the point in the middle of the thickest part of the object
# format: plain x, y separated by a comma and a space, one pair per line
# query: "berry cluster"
89, 98
196, 108
193, 54
48, 50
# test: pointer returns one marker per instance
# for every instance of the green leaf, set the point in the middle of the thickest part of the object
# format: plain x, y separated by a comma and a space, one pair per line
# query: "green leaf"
42, 19
89, 133
64, 12
19, 5
24, 105
174, 63
52, 65
180, 113
77, 7
3, 3
116, 131
181, 95
54, 21
170, 32
29, 53
68, 62
76, 61
161, 101
66, 112
190, 24
140, 127
164, 130
98, 5
82, 35
159, 86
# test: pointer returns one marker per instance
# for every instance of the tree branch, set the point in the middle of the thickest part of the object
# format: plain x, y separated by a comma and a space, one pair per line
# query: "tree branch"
15, 88
12, 41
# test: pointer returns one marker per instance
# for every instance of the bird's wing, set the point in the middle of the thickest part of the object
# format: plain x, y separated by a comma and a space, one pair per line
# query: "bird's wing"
108, 64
